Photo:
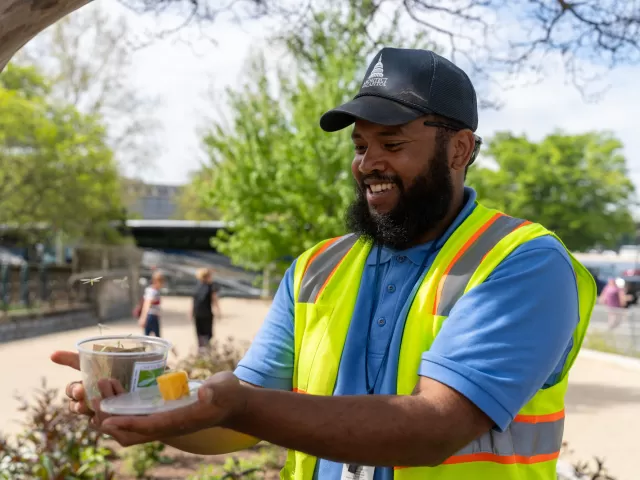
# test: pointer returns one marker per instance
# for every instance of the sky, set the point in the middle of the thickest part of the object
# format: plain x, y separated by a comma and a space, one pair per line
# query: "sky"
182, 70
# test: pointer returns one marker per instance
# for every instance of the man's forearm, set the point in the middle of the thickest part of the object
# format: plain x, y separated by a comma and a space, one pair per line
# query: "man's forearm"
376, 430
212, 441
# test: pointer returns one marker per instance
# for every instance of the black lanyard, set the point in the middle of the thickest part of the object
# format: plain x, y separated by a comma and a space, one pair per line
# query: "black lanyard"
371, 388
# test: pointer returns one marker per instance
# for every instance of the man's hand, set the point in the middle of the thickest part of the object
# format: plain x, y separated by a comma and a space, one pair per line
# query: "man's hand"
219, 398
78, 403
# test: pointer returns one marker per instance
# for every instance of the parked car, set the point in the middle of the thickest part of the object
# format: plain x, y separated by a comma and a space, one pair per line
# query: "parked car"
10, 258
600, 282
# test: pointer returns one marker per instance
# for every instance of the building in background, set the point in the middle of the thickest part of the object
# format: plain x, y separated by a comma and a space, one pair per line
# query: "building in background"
151, 201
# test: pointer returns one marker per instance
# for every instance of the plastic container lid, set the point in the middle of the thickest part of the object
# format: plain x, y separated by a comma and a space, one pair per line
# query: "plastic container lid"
147, 401
157, 344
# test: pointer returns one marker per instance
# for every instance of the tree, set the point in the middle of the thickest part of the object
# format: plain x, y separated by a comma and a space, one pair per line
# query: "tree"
575, 185
88, 58
280, 181
55, 166
602, 33
193, 200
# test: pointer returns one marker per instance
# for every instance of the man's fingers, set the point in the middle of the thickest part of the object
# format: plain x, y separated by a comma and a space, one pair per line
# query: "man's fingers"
131, 424
81, 408
125, 439
175, 422
118, 389
75, 391
99, 416
106, 387
69, 359
148, 425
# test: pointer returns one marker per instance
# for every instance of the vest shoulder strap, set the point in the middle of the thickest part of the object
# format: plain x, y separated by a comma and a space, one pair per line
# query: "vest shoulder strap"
467, 260
321, 265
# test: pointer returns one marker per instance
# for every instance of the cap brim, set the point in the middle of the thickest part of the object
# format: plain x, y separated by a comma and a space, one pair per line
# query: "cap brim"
373, 109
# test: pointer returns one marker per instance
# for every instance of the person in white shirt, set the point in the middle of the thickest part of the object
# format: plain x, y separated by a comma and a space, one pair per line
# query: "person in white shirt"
149, 318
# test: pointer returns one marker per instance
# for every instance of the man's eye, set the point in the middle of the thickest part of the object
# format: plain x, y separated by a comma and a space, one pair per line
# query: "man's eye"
391, 146
359, 148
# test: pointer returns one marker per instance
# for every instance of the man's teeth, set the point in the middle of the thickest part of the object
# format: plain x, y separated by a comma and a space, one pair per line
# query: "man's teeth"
381, 187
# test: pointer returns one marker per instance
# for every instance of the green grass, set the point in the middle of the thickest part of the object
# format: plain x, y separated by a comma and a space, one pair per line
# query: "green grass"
604, 343
18, 308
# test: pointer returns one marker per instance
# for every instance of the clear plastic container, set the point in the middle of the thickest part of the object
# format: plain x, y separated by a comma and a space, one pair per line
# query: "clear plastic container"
135, 361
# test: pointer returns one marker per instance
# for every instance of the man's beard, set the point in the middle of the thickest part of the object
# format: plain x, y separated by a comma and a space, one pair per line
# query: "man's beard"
420, 208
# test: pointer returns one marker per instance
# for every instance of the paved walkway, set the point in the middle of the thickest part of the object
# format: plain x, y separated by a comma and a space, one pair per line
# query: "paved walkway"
603, 402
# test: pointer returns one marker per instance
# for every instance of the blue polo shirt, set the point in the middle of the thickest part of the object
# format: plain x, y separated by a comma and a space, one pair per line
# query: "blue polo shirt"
503, 340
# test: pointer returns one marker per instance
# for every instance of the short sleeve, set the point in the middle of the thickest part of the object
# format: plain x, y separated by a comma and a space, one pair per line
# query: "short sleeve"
510, 336
269, 361
149, 293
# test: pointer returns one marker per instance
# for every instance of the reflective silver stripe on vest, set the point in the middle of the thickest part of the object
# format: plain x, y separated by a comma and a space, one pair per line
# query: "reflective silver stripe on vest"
462, 270
321, 267
522, 439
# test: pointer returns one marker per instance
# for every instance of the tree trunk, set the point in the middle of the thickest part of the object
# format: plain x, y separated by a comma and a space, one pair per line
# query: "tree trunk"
59, 244
21, 20
266, 282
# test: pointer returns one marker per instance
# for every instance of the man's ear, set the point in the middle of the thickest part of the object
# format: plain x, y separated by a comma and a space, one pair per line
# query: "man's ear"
462, 145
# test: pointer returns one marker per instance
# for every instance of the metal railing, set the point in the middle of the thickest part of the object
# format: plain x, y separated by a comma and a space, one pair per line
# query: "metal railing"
615, 330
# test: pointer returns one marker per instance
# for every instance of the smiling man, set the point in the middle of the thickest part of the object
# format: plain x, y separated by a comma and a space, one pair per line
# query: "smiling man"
432, 342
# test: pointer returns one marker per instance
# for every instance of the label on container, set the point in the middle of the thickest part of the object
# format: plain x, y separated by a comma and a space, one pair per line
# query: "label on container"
146, 373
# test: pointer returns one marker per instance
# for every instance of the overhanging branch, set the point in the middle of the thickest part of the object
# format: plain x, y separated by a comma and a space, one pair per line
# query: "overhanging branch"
21, 20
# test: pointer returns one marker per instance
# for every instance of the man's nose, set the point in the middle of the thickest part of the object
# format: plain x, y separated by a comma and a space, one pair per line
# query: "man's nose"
372, 160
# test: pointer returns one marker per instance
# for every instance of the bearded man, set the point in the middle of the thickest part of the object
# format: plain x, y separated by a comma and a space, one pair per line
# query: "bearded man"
432, 342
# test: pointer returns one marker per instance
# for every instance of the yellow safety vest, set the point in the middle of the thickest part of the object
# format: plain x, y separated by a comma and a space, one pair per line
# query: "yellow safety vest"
326, 283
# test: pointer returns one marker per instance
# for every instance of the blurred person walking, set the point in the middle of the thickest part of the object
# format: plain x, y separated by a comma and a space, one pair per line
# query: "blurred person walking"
615, 298
205, 301
149, 318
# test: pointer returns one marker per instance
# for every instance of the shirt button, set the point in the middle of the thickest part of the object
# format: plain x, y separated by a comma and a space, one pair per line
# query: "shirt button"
382, 322
391, 288
401, 258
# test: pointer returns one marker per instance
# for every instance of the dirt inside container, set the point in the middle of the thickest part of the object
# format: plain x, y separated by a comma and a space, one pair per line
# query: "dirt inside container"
116, 360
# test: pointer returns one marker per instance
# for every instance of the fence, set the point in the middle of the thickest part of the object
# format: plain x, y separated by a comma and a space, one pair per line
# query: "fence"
615, 331
33, 288
101, 279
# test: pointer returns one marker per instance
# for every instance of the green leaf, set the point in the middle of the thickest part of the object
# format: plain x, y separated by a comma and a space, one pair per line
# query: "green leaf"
55, 165
148, 382
575, 185
272, 172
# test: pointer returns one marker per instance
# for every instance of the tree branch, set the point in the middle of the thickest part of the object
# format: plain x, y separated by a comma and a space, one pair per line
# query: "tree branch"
22, 20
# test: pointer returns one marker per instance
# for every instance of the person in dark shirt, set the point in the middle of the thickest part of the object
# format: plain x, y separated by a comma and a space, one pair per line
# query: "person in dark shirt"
205, 302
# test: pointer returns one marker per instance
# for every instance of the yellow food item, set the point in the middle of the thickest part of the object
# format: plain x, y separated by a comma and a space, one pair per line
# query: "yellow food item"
173, 385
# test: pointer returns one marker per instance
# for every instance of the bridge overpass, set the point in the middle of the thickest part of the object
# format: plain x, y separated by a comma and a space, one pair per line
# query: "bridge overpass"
173, 234
180, 247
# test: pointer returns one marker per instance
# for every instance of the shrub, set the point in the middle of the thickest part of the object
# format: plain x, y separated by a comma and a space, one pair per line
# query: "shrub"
582, 470
234, 468
271, 456
137, 460
54, 445
217, 358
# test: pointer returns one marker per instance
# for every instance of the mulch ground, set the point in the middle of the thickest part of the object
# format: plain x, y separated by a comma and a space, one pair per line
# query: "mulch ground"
186, 466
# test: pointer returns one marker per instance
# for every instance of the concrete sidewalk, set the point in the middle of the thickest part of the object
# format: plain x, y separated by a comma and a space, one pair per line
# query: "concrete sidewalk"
603, 402
603, 414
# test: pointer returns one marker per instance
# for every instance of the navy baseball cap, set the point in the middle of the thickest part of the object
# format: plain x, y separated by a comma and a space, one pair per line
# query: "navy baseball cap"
404, 84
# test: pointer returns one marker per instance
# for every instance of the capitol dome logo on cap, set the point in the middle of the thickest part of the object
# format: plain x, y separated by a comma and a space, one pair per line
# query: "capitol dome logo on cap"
376, 78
